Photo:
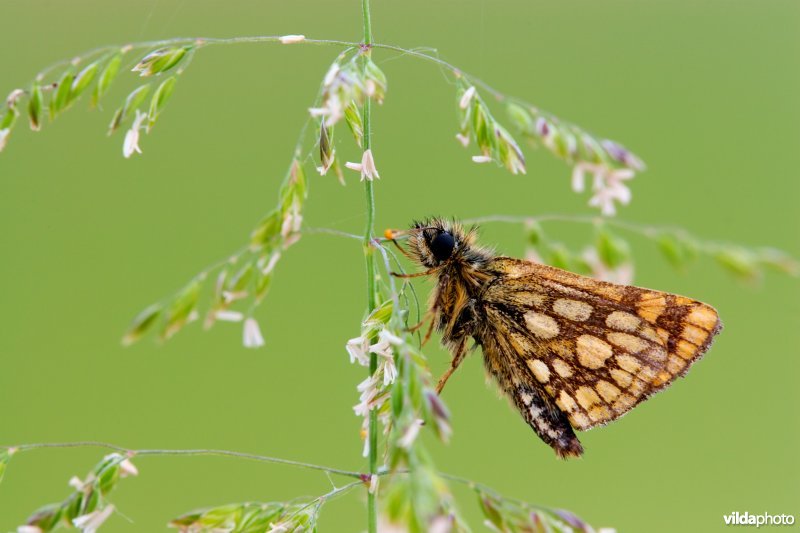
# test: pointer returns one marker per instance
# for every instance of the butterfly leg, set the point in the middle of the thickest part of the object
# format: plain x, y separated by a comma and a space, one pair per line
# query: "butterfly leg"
428, 316
403, 250
430, 319
428, 334
458, 356
414, 275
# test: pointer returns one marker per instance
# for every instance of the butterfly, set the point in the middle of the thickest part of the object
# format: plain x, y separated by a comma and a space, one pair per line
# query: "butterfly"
571, 352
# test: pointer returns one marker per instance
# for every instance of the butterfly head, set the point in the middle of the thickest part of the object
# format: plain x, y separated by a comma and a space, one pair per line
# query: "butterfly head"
436, 242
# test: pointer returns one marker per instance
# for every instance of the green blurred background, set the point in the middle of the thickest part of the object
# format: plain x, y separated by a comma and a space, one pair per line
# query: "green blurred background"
705, 91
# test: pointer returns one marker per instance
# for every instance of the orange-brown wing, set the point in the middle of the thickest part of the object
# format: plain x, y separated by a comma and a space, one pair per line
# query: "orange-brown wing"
597, 349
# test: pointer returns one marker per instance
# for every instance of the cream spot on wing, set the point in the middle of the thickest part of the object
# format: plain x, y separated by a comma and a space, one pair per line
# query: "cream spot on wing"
623, 321
637, 387
587, 397
565, 402
694, 334
675, 364
651, 306
535, 299
541, 325
539, 369
599, 413
579, 420
608, 391
703, 316
622, 378
662, 378
592, 352
518, 341
630, 343
628, 363
685, 349
526, 397
572, 309
657, 353
650, 334
646, 374
562, 368
624, 402
609, 291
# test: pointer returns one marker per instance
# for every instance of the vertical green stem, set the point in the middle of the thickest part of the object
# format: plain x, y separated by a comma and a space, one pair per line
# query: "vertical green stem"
372, 511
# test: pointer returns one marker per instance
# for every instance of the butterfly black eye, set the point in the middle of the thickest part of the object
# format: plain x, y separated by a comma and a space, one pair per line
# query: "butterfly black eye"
442, 246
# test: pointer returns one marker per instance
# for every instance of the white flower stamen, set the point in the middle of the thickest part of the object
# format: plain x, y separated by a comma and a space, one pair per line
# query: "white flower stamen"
466, 98
366, 167
11, 99
390, 337
368, 170
369, 88
319, 111
76, 483
273, 260
229, 316
292, 221
252, 334
232, 296
131, 143
91, 522
410, 435
127, 468
291, 39
370, 397
281, 527
607, 185
358, 349
331, 75
579, 176
4, 133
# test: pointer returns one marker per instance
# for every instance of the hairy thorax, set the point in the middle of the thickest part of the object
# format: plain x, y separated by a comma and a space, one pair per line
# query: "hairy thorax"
457, 301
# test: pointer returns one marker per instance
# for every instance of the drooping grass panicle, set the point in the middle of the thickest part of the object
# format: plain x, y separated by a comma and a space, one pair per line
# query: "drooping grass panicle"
5, 458
273, 517
242, 281
87, 507
493, 141
608, 254
349, 82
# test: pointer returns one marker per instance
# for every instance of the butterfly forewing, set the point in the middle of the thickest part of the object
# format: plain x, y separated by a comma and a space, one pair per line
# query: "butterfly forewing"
597, 349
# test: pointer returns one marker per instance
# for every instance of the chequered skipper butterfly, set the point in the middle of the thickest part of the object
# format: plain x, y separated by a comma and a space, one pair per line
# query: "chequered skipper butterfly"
571, 352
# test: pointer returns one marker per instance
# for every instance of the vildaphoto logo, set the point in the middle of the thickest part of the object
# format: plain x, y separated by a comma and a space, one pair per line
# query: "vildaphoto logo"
746, 519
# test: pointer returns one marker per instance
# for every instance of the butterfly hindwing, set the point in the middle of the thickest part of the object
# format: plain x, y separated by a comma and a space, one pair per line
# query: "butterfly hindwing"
502, 361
